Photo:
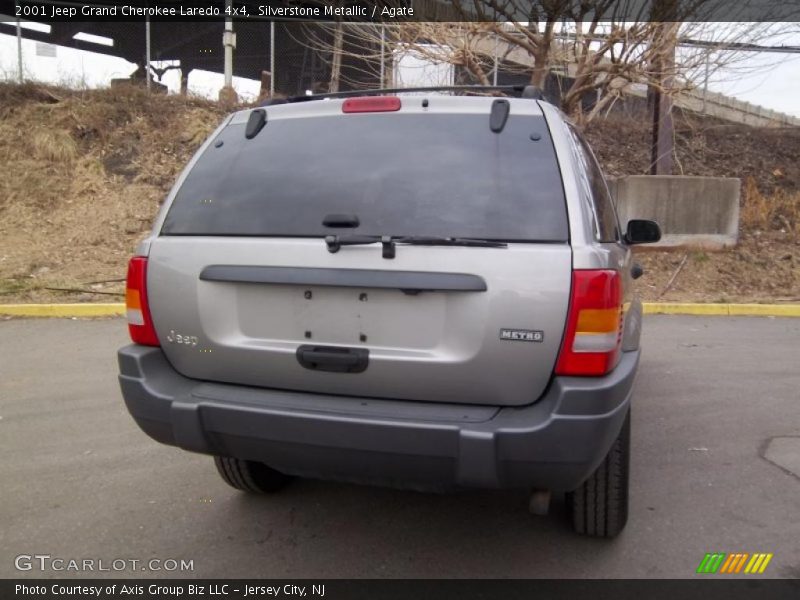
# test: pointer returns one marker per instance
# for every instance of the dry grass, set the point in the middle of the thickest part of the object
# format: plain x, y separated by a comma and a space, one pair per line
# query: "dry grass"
779, 211
85, 173
53, 146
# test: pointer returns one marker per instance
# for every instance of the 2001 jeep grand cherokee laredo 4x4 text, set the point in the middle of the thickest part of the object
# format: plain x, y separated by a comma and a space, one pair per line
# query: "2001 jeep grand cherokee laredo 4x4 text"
417, 290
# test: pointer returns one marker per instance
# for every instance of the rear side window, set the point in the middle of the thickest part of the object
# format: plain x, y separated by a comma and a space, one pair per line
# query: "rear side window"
424, 175
602, 203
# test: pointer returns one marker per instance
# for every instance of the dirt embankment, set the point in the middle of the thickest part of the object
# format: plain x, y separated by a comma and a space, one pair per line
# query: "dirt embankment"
704, 146
84, 175
85, 172
765, 266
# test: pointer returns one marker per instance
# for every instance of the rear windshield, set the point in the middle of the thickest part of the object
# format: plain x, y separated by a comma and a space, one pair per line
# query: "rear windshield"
400, 174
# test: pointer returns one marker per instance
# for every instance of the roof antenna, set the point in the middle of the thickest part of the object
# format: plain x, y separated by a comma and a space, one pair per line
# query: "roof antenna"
255, 123
499, 115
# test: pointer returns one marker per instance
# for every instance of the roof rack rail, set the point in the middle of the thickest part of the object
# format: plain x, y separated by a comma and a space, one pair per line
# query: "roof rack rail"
523, 91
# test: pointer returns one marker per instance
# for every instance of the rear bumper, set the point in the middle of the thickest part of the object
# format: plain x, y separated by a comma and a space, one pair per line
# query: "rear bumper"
554, 444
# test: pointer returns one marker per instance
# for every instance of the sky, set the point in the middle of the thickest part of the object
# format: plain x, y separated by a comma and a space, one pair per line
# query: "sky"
771, 80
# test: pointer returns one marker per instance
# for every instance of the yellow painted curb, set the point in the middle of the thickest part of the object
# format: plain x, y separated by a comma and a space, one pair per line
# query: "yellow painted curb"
63, 310
731, 310
650, 308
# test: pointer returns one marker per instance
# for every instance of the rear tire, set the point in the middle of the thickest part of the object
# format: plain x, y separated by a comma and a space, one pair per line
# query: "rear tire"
250, 476
599, 507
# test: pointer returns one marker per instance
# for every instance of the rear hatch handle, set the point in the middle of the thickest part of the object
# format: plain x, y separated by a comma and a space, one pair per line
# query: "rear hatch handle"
333, 359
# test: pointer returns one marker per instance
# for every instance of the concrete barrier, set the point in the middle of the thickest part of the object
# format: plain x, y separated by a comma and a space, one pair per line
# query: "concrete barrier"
696, 212
723, 107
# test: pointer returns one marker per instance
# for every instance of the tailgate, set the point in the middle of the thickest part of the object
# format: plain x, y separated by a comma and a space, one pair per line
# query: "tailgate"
430, 330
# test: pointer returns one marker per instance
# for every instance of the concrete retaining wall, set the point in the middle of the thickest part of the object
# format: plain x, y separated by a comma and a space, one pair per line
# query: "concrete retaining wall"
699, 212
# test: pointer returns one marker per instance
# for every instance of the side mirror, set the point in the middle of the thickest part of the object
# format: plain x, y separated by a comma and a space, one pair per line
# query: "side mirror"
642, 231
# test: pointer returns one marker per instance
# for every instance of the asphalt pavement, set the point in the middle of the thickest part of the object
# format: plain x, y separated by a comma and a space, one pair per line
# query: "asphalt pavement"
717, 405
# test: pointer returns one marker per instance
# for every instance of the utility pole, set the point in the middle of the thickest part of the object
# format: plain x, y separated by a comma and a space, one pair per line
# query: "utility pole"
147, 52
19, 49
227, 94
383, 55
705, 84
496, 66
227, 42
271, 59
663, 69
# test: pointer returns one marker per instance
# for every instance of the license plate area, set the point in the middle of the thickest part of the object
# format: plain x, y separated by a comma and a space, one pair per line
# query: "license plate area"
341, 316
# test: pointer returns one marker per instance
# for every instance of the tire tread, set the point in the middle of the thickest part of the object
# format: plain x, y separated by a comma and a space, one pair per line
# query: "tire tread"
250, 476
599, 507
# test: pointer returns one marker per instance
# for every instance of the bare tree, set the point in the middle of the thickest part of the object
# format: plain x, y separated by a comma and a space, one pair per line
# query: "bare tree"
598, 48
336, 54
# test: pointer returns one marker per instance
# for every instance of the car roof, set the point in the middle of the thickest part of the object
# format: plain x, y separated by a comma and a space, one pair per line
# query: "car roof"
417, 103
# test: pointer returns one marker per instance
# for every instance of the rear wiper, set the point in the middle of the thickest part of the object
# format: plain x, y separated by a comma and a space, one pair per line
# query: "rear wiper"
335, 242
449, 241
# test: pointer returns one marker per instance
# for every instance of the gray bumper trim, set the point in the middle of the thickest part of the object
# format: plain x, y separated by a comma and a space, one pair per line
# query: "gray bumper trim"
554, 443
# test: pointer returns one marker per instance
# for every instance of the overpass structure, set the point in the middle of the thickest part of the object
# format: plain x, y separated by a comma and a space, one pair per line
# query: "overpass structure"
274, 46
698, 100
277, 48
198, 45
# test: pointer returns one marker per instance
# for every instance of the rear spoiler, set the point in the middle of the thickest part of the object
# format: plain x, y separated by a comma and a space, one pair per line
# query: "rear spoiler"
521, 91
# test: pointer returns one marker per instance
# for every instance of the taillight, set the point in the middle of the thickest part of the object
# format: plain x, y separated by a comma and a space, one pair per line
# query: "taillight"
140, 323
371, 104
594, 324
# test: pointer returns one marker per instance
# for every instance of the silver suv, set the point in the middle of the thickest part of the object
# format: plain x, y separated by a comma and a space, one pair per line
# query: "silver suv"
426, 291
